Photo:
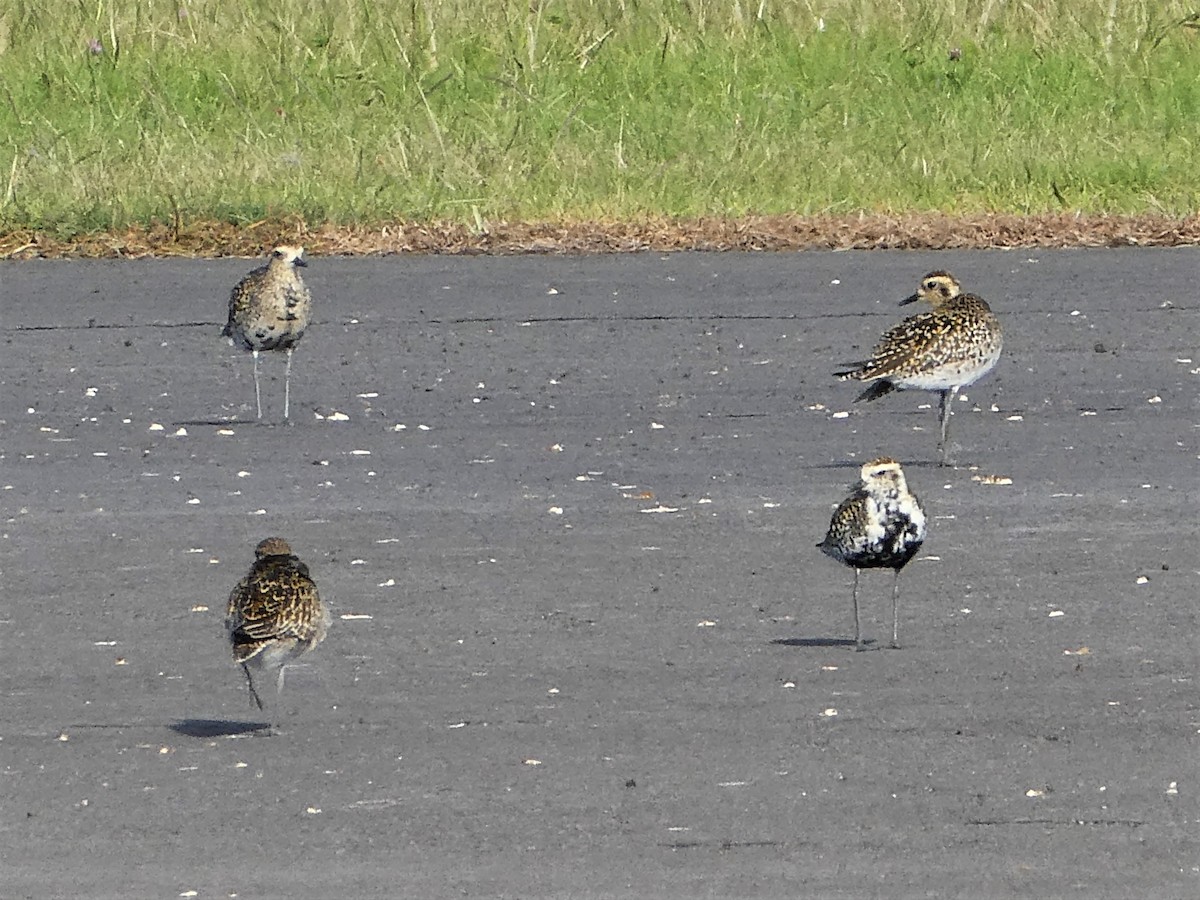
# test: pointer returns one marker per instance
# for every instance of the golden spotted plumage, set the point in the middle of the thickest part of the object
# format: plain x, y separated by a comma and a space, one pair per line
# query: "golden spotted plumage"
269, 309
943, 350
274, 614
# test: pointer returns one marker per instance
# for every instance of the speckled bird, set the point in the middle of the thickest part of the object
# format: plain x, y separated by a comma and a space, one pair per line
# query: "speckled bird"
269, 310
879, 526
944, 350
275, 614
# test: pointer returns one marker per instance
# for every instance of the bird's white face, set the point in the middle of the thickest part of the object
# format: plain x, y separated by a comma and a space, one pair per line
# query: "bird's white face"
883, 473
290, 254
939, 286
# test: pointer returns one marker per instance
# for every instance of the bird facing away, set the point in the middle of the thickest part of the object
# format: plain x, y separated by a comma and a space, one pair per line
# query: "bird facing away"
269, 310
879, 526
275, 614
944, 350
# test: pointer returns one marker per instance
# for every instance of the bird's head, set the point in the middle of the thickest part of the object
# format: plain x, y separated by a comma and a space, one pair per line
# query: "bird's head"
935, 289
272, 546
289, 255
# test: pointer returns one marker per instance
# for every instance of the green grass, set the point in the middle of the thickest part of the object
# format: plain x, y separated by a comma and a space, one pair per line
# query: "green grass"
360, 111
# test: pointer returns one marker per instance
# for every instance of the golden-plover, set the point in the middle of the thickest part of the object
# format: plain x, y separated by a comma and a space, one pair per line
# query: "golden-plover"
269, 310
879, 526
275, 614
944, 350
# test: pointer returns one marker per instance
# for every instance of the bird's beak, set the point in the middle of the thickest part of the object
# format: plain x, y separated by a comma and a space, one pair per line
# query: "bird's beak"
911, 298
300, 261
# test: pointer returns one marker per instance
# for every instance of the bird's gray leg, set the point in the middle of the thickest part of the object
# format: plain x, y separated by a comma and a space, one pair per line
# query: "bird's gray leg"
257, 393
858, 643
896, 612
250, 682
944, 410
287, 383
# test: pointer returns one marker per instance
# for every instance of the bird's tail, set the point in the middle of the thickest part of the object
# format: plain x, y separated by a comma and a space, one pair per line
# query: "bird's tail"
245, 649
849, 370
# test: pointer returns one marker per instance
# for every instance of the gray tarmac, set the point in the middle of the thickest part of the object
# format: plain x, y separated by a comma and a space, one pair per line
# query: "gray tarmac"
564, 511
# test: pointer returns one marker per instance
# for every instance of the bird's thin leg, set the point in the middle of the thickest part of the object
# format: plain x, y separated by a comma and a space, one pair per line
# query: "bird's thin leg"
944, 411
858, 643
896, 612
287, 383
279, 680
257, 393
250, 681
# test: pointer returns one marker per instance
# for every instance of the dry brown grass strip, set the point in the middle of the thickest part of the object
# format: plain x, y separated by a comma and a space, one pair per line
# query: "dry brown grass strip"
853, 232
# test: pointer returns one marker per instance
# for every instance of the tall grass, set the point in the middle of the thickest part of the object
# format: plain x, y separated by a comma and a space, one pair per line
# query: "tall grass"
124, 112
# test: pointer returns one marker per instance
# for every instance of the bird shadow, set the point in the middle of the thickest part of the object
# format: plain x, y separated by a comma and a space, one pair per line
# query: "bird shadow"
218, 422
210, 728
816, 642
856, 464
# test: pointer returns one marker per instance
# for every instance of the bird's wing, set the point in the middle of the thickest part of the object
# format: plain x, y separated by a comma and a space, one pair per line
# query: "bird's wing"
909, 346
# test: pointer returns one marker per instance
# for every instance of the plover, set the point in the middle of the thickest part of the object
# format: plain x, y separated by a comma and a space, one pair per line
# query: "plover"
954, 345
269, 310
879, 526
275, 614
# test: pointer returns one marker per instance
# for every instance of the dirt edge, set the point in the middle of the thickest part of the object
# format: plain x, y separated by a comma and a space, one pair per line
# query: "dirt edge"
915, 231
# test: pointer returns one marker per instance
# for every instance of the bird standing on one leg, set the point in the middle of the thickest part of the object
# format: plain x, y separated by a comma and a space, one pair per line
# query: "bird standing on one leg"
944, 350
879, 526
275, 614
269, 310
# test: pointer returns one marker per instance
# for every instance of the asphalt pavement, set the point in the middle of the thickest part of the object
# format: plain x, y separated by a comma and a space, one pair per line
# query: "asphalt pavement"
564, 511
